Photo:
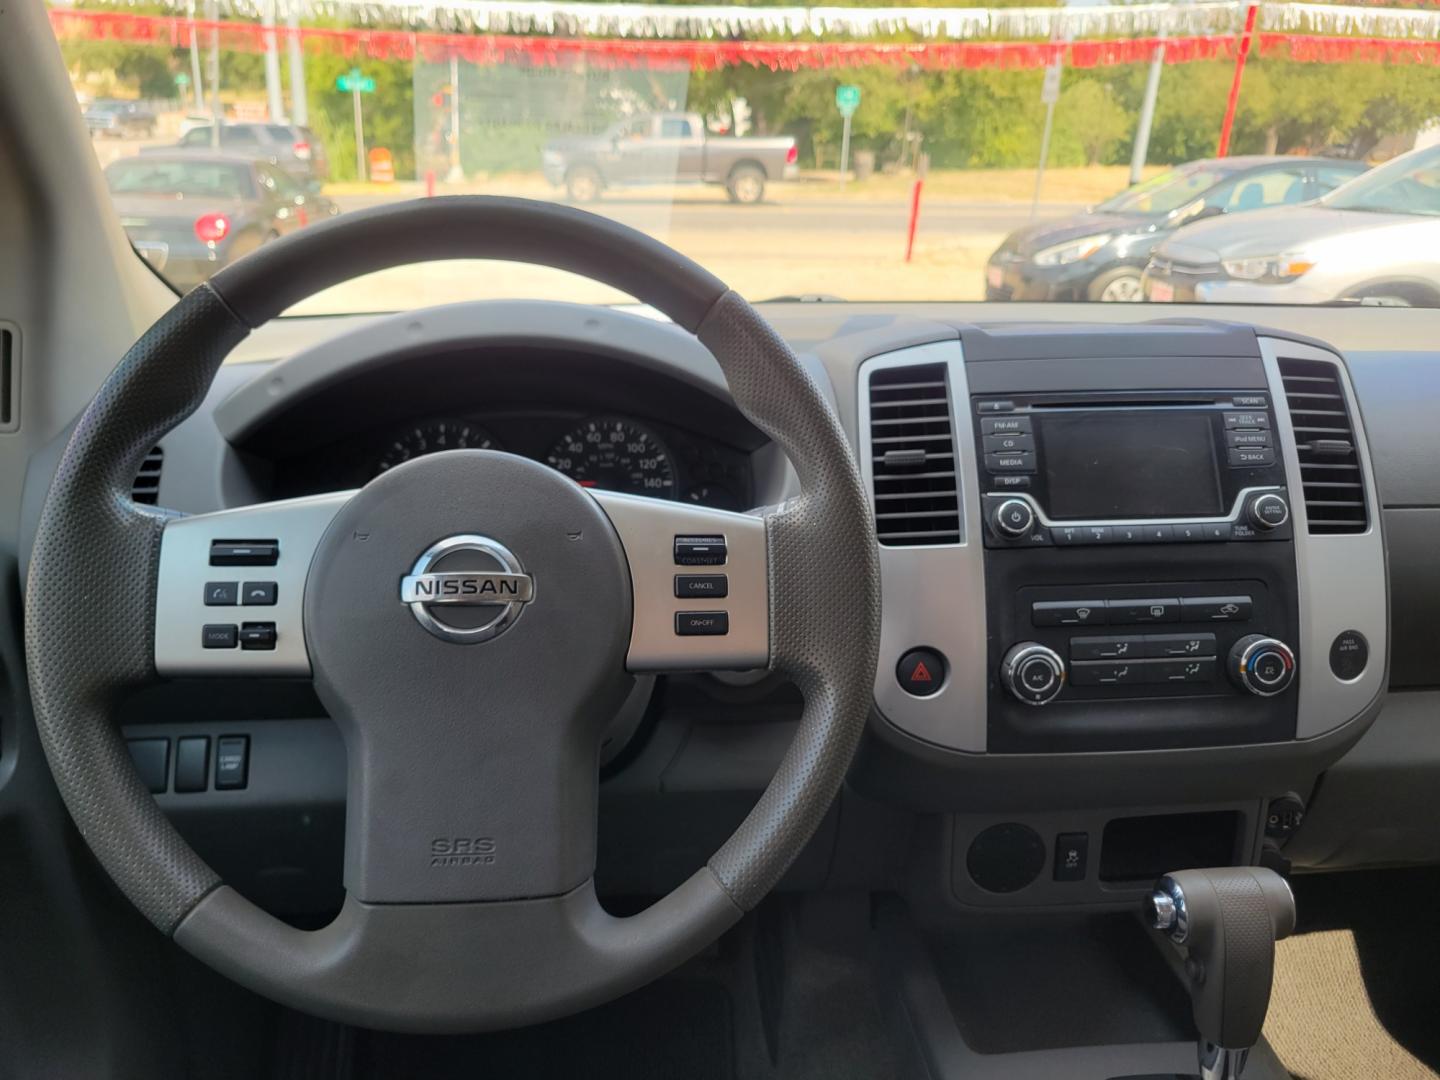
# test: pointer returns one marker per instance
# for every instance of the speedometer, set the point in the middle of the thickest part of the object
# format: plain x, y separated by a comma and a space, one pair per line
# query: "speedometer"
615, 454
430, 437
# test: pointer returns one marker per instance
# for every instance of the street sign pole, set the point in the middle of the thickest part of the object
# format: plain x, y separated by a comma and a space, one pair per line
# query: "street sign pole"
1049, 94
847, 100
1147, 114
359, 129
457, 172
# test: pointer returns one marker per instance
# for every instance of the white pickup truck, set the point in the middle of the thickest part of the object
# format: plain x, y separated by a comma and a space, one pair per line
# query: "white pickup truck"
668, 148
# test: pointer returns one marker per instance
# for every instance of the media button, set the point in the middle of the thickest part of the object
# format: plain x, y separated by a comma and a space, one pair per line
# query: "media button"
1005, 425
1247, 420
1068, 613
1021, 461
1155, 610
1216, 608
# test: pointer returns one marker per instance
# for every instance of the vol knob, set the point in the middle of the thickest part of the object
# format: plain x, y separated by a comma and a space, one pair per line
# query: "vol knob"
1033, 673
1262, 665
1013, 517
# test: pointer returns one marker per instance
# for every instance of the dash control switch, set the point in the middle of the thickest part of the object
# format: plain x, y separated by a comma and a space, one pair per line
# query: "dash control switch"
700, 551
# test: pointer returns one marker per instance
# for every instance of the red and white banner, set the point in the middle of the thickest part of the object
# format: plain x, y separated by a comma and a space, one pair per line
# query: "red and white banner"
492, 49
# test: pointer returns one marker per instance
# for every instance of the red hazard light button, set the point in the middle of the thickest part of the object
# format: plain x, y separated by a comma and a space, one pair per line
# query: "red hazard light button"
921, 672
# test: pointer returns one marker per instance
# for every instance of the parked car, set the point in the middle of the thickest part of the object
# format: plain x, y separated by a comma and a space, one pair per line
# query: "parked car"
189, 214
123, 119
1375, 239
1100, 254
287, 146
668, 148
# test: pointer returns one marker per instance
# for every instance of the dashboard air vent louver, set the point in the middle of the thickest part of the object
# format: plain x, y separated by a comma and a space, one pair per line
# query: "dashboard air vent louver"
1325, 441
912, 452
146, 488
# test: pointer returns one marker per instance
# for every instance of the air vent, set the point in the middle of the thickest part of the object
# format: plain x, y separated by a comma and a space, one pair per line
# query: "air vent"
912, 454
9, 378
146, 488
1325, 441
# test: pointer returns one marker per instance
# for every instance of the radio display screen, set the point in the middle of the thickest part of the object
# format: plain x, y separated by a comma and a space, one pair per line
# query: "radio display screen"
1119, 464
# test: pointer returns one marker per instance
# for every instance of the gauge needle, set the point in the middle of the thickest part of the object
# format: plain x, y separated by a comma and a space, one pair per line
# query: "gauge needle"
587, 483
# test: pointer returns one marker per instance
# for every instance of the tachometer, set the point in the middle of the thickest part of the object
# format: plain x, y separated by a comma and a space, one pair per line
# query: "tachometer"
430, 437
615, 454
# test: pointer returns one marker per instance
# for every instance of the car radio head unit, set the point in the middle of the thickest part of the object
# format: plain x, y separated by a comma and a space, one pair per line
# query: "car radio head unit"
1104, 468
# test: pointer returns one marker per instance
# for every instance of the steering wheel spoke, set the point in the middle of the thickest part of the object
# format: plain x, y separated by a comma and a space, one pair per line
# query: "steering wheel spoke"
701, 585
230, 588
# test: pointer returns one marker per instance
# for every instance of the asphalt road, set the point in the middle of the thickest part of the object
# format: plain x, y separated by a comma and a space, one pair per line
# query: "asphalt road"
700, 212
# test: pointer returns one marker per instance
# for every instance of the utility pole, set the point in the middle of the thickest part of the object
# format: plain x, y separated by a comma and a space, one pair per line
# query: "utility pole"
273, 96
1049, 94
299, 104
197, 80
217, 110
457, 173
1147, 114
359, 132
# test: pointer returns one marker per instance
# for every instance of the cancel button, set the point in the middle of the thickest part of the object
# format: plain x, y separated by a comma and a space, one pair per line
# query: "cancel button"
693, 585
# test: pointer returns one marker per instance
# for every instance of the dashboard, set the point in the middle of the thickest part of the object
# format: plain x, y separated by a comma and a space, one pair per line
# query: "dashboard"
1143, 584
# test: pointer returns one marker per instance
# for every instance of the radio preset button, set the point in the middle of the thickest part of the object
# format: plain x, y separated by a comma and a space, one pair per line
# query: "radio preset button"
1153, 610
1217, 531
1216, 608
1167, 645
1021, 461
1073, 535
1247, 420
1107, 648
1068, 613
1006, 425
1189, 534
1250, 458
1003, 443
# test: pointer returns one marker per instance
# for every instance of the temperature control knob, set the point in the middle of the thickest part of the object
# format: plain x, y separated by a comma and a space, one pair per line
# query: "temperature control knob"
1268, 511
1033, 673
1013, 517
1262, 665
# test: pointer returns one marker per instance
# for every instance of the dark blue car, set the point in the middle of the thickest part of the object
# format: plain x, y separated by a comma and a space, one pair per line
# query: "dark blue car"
1100, 254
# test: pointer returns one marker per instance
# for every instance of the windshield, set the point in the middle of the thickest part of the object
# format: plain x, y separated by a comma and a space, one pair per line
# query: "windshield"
1408, 186
868, 153
1164, 193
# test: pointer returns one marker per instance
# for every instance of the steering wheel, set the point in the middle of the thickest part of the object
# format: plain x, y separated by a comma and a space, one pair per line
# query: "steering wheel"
470, 621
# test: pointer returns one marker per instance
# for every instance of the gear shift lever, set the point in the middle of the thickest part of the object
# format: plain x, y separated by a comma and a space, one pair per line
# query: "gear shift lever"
1225, 923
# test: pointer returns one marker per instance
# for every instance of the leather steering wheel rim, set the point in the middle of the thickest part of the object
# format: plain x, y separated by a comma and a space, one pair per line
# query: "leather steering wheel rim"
91, 614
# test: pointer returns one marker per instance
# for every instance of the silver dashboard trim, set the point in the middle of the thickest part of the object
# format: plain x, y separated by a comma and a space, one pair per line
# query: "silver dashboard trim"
1236, 511
180, 609
647, 529
1342, 579
934, 595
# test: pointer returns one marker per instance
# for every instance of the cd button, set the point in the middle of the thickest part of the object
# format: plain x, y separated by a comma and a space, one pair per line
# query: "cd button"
1003, 443
1166, 609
